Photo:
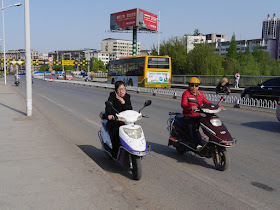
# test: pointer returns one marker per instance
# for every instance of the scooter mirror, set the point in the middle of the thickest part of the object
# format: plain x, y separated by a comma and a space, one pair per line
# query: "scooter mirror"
148, 103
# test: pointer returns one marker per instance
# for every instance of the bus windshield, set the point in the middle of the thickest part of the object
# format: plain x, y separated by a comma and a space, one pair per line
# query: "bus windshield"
158, 63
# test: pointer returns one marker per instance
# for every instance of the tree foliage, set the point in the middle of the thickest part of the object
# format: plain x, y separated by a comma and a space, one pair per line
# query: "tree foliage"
97, 64
203, 59
196, 32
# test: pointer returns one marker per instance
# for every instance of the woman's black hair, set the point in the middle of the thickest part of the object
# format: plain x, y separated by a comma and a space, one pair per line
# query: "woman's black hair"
118, 83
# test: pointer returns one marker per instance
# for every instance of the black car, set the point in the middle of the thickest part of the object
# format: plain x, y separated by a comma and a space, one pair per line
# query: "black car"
269, 89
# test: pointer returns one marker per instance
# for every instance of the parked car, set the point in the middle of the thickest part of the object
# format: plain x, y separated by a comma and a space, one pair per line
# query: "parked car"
60, 76
269, 89
278, 110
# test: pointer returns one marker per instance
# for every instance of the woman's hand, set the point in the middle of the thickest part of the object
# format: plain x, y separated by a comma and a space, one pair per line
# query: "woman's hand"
111, 117
193, 108
120, 99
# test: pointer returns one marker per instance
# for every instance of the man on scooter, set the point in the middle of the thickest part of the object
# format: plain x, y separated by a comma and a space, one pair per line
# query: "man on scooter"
121, 102
191, 118
223, 82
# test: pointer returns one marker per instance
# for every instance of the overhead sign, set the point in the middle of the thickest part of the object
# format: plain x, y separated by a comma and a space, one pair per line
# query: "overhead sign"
68, 62
139, 18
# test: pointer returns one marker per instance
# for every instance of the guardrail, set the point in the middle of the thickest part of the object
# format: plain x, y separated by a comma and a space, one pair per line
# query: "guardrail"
237, 101
245, 80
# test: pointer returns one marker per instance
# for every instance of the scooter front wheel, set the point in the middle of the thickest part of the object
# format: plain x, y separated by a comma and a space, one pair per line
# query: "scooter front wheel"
220, 158
136, 167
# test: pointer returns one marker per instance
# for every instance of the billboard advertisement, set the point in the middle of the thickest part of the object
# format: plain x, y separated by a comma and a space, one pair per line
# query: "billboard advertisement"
139, 18
147, 20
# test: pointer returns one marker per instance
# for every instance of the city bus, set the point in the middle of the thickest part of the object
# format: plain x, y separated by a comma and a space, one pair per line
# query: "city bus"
141, 71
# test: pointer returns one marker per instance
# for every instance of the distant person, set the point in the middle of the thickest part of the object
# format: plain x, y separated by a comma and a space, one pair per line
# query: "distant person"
224, 81
237, 79
16, 77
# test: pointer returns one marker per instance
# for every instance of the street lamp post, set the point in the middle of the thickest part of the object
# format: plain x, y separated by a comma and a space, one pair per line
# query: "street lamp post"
28, 59
4, 48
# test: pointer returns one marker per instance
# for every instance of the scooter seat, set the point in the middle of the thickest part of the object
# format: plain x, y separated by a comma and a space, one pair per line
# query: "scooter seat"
179, 116
179, 120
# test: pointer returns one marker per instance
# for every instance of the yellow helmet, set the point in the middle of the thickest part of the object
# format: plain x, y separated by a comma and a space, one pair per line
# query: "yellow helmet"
194, 80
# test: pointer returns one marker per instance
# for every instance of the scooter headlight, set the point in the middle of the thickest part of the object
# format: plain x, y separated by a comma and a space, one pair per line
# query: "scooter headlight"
133, 133
216, 122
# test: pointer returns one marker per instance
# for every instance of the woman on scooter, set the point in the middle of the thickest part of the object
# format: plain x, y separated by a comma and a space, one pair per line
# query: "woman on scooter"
121, 102
191, 118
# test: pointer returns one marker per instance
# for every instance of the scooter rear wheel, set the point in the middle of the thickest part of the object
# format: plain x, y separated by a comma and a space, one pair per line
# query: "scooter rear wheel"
220, 158
136, 167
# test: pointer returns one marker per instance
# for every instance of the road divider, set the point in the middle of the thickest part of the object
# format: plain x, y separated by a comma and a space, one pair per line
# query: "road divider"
175, 93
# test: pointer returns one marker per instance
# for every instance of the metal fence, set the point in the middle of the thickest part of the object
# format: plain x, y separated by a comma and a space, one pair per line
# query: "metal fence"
245, 81
237, 101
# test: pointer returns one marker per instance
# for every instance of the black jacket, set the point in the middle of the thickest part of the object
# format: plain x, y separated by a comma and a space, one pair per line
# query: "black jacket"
117, 104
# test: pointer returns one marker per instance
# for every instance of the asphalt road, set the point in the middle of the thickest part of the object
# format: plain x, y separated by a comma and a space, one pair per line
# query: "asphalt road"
170, 180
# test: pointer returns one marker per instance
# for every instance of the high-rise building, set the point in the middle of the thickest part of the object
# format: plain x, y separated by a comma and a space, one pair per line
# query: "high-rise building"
271, 27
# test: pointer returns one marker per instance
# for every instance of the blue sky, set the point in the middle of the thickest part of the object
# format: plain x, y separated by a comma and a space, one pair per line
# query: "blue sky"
69, 24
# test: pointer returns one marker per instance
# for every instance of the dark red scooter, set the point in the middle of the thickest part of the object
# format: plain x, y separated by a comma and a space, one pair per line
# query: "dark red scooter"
215, 135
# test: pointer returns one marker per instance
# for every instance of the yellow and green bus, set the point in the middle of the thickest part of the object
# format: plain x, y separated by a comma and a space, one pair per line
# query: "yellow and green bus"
141, 70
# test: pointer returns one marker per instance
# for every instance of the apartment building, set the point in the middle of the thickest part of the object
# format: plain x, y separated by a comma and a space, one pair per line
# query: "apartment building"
20, 54
213, 38
16, 55
191, 40
268, 45
103, 56
118, 48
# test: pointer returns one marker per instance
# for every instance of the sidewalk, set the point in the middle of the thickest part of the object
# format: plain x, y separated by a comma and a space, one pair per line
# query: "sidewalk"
40, 169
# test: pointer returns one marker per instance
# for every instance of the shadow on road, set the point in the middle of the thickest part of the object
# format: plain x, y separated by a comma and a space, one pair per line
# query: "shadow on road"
264, 125
104, 160
171, 152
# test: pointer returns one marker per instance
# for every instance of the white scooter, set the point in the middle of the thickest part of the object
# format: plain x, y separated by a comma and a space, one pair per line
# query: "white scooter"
133, 144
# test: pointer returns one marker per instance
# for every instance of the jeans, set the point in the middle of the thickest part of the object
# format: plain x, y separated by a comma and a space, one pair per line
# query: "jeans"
236, 84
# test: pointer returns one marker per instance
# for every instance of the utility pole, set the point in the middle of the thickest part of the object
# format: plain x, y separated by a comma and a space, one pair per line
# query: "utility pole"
28, 59
158, 30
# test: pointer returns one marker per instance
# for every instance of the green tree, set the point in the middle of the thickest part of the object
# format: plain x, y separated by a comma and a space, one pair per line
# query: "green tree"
175, 48
232, 50
44, 68
203, 60
69, 68
97, 64
196, 32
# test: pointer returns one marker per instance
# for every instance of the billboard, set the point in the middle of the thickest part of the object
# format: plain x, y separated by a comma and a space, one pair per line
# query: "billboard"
128, 19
